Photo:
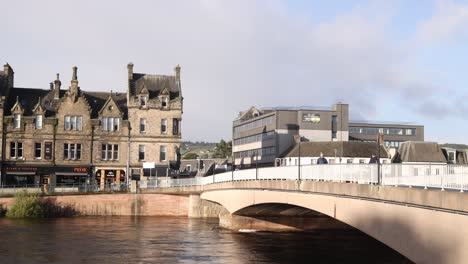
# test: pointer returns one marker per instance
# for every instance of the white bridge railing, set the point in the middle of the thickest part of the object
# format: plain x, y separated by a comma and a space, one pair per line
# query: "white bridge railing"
441, 176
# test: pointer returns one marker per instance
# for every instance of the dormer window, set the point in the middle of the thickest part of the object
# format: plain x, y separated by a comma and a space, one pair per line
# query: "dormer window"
110, 124
164, 102
16, 121
144, 101
38, 121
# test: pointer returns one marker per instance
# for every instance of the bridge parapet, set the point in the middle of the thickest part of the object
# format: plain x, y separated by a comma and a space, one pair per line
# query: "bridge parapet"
441, 176
434, 199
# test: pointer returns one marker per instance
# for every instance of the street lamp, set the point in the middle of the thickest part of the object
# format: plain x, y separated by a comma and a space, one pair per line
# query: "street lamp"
299, 162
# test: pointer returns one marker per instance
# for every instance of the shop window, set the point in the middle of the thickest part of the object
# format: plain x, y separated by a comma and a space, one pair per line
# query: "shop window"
163, 126
37, 150
162, 153
38, 121
142, 125
17, 121
141, 152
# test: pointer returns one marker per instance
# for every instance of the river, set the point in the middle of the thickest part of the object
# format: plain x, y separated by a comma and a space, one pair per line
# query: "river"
177, 240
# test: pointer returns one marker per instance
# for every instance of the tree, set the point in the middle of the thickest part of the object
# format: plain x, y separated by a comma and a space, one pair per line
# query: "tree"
191, 155
223, 149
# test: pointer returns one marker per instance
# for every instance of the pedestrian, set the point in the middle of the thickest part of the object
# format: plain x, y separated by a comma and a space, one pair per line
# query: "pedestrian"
373, 159
322, 160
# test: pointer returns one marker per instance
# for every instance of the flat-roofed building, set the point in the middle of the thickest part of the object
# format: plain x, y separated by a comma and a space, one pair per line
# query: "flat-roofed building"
393, 133
261, 135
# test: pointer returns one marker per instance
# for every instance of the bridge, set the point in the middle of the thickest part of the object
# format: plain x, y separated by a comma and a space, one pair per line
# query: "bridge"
419, 210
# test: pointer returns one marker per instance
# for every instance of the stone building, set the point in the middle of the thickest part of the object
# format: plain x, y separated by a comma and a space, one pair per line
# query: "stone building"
65, 136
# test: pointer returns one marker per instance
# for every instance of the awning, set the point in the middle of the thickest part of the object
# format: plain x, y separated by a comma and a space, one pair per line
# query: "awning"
20, 172
72, 173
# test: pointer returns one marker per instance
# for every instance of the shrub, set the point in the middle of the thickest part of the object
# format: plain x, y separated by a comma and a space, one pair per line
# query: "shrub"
26, 205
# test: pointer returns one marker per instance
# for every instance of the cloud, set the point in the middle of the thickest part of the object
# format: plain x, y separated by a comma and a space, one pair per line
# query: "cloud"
234, 54
449, 20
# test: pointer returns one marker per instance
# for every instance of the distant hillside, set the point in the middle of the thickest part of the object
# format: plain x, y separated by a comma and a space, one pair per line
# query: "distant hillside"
201, 148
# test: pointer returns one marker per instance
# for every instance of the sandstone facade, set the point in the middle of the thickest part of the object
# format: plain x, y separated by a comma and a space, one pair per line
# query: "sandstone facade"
69, 136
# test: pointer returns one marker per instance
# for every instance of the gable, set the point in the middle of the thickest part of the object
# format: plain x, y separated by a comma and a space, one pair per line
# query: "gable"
110, 108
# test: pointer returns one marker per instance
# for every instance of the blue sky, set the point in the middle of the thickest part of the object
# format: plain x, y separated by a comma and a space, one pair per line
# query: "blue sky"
390, 60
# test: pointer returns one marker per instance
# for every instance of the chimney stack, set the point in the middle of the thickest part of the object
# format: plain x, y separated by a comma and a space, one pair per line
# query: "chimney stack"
58, 83
75, 76
177, 73
130, 70
51, 85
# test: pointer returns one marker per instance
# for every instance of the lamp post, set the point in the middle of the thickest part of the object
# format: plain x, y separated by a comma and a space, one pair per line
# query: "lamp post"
379, 139
256, 164
299, 162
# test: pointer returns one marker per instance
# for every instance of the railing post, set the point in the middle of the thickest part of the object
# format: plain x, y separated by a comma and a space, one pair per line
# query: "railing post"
442, 180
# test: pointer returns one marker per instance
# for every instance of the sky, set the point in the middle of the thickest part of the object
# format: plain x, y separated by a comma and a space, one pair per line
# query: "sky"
392, 61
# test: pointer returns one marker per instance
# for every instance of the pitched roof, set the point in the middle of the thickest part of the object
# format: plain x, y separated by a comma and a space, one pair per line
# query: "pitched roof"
419, 151
454, 146
97, 100
28, 98
154, 84
338, 149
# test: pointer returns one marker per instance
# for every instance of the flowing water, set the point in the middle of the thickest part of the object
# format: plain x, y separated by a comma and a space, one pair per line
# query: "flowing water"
177, 240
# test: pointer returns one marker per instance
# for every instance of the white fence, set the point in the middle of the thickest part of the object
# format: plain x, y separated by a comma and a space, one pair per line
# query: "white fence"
411, 175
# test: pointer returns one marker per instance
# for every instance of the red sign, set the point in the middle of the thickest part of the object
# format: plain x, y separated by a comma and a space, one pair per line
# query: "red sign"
80, 169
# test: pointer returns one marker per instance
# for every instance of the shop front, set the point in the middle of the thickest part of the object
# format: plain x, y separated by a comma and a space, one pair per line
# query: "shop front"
20, 176
72, 176
108, 177
44, 175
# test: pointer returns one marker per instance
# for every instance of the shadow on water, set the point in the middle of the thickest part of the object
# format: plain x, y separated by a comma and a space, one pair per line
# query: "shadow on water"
404, 239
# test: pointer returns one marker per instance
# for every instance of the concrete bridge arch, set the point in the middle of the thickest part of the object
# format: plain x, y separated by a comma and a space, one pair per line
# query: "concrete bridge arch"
421, 234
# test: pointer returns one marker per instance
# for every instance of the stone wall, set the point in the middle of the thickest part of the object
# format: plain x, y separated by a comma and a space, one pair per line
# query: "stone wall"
119, 204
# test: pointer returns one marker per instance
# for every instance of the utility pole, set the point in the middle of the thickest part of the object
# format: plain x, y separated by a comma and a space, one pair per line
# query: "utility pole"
379, 141
299, 162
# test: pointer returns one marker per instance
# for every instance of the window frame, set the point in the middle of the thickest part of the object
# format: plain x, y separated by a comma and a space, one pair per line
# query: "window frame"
39, 120
13, 150
162, 153
141, 152
143, 101
16, 120
36, 149
164, 102
142, 125
163, 126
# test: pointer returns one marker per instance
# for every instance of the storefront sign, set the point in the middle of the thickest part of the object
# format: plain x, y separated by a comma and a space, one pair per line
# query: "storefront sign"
21, 169
314, 118
80, 169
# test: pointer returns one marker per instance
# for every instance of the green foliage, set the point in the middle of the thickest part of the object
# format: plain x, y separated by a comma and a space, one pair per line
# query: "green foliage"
191, 155
223, 149
26, 205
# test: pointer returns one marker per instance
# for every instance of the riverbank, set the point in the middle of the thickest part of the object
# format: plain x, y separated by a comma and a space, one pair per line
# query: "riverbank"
129, 204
